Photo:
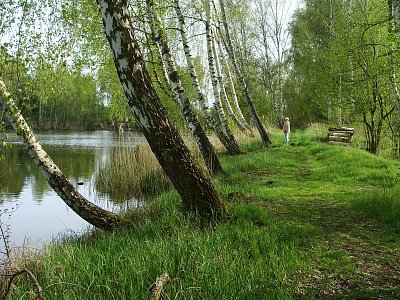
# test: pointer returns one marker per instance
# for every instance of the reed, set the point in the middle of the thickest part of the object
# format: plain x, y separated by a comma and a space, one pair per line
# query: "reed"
132, 172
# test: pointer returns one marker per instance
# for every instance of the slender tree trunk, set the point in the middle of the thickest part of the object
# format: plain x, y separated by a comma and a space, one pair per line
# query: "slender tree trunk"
396, 16
233, 89
220, 80
198, 133
269, 84
352, 100
394, 19
195, 189
230, 145
252, 110
88, 211
214, 80
166, 88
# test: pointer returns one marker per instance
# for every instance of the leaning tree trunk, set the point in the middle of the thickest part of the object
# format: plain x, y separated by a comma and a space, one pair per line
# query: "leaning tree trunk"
214, 79
230, 145
252, 110
166, 88
88, 211
233, 89
205, 146
195, 189
220, 80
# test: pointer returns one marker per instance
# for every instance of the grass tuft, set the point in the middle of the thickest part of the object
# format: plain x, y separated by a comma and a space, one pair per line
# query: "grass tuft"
132, 172
382, 204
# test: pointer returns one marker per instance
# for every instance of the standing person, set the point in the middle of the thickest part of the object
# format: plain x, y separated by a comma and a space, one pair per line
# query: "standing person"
286, 129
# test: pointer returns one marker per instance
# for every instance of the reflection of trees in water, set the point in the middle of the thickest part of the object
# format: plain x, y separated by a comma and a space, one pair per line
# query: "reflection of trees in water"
18, 169
13, 170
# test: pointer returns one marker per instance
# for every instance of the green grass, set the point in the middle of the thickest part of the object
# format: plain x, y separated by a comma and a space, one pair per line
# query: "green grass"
305, 221
381, 204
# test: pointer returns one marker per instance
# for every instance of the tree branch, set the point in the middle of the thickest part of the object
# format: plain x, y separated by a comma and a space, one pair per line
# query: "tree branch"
33, 279
158, 286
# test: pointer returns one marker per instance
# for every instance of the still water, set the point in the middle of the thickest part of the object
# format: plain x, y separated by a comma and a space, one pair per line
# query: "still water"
30, 211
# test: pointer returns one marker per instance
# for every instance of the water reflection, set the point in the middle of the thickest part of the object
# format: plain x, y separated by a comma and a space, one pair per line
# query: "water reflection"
39, 212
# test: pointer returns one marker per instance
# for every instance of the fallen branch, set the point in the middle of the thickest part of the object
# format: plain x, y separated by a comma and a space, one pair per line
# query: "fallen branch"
157, 287
32, 278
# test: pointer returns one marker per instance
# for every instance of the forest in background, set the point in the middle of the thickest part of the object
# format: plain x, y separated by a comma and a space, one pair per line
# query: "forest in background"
334, 62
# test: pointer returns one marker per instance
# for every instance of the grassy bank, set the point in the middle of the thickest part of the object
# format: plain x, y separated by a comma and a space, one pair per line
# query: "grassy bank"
306, 221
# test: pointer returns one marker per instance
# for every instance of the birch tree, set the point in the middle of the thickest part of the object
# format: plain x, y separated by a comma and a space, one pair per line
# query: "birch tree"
231, 84
230, 145
394, 29
221, 82
252, 110
273, 39
213, 74
198, 132
396, 15
195, 189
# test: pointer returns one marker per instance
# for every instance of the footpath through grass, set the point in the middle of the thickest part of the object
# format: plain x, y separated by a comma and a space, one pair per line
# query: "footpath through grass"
306, 221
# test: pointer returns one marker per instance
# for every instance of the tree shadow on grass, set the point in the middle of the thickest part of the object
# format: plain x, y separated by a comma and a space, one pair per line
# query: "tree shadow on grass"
351, 257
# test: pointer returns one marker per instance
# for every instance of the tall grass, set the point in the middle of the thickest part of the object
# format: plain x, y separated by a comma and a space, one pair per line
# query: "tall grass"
243, 259
382, 204
132, 172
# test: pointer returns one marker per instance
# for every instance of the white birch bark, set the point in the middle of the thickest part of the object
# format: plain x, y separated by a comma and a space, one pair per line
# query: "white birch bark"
232, 86
221, 82
205, 146
279, 42
352, 100
88, 211
252, 110
231, 145
394, 14
213, 76
196, 190
166, 88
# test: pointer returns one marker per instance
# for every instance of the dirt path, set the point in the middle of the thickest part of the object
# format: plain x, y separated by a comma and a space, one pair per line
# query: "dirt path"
353, 258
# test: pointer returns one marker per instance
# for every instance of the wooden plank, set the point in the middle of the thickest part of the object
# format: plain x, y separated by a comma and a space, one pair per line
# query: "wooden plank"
341, 129
338, 143
339, 139
344, 134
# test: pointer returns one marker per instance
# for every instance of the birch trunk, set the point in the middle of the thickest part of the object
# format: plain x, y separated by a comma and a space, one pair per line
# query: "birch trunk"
252, 110
196, 190
220, 80
88, 211
206, 148
214, 80
233, 89
352, 100
166, 88
230, 145
394, 16
268, 77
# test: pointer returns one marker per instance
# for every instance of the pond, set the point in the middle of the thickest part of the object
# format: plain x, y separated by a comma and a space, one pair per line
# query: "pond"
31, 213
